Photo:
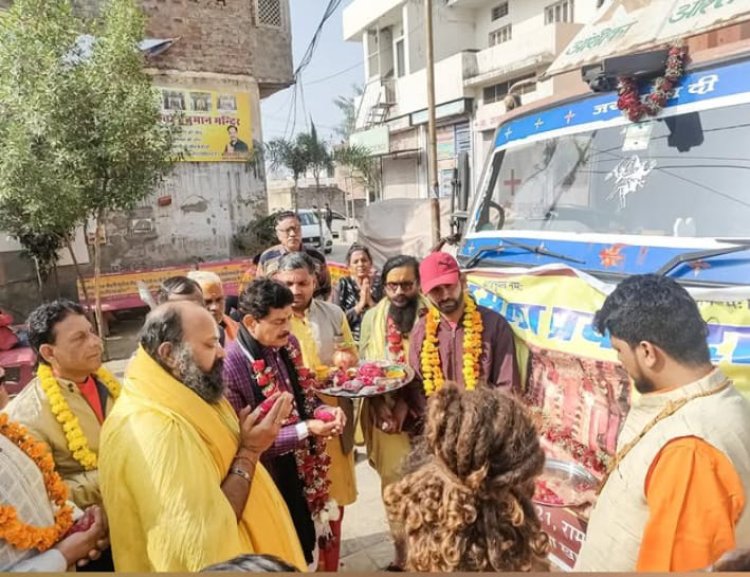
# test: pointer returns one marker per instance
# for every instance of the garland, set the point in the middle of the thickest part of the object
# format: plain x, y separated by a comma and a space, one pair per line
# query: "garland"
629, 100
395, 340
313, 463
77, 442
432, 373
17, 533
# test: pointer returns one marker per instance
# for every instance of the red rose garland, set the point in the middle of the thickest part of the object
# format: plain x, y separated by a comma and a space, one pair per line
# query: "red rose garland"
313, 463
395, 341
630, 101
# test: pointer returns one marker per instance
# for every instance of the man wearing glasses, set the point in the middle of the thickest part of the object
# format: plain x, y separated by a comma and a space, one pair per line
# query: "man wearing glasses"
389, 421
289, 233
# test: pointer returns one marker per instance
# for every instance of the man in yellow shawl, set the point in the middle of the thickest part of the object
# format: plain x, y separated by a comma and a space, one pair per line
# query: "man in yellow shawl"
387, 421
318, 325
179, 473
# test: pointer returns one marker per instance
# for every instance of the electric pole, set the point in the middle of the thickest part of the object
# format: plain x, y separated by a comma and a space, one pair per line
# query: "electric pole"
431, 130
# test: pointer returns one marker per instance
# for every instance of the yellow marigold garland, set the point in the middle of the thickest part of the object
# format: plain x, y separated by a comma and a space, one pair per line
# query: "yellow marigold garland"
77, 442
17, 533
432, 372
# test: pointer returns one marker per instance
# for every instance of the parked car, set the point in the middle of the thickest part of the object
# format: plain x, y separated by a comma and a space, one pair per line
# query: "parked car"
341, 223
311, 228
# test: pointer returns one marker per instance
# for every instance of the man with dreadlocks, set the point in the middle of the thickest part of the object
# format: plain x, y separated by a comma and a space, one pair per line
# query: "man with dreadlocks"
465, 502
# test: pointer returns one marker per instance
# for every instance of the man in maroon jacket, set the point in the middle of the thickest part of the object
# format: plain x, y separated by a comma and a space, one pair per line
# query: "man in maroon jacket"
445, 287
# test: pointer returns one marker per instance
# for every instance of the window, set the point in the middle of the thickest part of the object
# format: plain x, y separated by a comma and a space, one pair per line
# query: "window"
561, 11
501, 35
499, 11
497, 92
373, 53
268, 13
400, 58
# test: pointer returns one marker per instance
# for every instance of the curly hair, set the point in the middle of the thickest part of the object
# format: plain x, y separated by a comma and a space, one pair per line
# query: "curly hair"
465, 501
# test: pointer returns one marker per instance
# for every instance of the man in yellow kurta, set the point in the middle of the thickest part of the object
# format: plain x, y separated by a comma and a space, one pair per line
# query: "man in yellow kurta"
385, 336
70, 384
180, 475
319, 326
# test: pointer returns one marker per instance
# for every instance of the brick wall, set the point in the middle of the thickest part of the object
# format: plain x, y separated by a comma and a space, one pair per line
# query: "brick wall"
219, 36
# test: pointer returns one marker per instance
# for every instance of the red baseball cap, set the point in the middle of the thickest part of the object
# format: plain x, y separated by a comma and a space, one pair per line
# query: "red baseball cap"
437, 269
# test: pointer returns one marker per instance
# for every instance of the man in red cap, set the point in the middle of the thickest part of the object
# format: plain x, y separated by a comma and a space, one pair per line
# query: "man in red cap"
457, 340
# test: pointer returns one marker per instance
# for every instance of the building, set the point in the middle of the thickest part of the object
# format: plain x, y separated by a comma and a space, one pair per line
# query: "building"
216, 61
484, 50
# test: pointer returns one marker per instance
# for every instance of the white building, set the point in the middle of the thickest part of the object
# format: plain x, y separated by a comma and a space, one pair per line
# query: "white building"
483, 48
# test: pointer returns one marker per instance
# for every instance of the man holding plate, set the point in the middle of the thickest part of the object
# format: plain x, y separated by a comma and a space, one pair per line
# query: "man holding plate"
325, 340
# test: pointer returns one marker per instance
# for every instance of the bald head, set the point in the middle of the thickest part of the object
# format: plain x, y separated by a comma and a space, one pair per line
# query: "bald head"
213, 292
183, 338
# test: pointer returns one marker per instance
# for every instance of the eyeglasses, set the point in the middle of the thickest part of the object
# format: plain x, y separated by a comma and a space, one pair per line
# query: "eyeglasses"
404, 286
287, 231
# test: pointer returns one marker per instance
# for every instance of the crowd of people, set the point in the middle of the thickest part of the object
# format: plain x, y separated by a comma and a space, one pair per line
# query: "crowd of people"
219, 452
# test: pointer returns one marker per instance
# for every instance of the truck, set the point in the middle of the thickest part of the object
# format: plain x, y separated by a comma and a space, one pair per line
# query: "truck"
575, 196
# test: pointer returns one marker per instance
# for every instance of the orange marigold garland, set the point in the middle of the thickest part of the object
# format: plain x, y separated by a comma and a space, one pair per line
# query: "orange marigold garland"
17, 533
432, 372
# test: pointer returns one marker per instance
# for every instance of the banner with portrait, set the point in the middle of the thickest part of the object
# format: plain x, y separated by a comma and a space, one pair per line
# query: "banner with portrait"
216, 125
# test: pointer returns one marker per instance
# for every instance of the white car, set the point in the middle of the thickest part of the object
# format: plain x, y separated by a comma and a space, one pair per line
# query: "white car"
340, 223
311, 229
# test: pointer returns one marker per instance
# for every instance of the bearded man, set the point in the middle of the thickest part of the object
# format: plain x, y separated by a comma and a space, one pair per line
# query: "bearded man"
266, 359
215, 302
676, 499
458, 340
389, 421
181, 477
322, 331
289, 233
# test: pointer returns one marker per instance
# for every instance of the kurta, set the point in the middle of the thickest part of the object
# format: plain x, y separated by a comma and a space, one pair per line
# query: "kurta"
22, 486
385, 451
31, 408
322, 324
165, 453
676, 501
498, 367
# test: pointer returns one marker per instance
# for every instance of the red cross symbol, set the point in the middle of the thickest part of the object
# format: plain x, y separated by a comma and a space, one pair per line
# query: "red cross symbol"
513, 182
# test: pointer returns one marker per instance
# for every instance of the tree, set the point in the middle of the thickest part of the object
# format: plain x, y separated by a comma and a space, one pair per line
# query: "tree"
348, 107
316, 152
85, 124
38, 204
290, 155
363, 166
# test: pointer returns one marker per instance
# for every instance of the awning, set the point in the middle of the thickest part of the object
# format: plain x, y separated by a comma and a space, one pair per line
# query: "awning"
628, 26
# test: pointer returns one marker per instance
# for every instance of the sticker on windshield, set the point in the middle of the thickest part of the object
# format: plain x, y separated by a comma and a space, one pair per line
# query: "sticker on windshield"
637, 136
630, 176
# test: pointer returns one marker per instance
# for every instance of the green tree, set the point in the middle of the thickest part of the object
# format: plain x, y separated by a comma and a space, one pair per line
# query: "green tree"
85, 121
348, 106
316, 152
38, 204
363, 165
290, 155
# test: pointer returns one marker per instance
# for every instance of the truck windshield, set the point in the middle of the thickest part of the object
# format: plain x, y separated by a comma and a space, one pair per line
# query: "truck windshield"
686, 175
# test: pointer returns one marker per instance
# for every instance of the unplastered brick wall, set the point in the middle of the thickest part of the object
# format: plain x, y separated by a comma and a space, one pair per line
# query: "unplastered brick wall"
221, 36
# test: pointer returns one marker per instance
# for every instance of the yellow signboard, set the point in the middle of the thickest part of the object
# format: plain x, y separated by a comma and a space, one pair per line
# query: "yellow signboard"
216, 126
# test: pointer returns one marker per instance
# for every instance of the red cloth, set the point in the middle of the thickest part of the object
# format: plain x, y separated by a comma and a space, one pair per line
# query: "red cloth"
91, 394
330, 557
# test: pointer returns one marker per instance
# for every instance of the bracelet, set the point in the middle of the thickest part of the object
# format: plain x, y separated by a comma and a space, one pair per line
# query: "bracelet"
241, 473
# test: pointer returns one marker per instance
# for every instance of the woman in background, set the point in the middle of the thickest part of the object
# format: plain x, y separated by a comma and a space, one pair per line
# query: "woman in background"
361, 290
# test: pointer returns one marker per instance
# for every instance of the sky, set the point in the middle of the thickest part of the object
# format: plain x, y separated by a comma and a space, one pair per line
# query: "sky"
332, 57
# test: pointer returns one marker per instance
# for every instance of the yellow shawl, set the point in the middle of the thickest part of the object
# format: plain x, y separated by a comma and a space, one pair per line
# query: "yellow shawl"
164, 454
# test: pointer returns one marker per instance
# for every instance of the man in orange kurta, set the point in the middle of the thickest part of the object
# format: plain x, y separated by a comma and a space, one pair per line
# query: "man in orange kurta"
675, 500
